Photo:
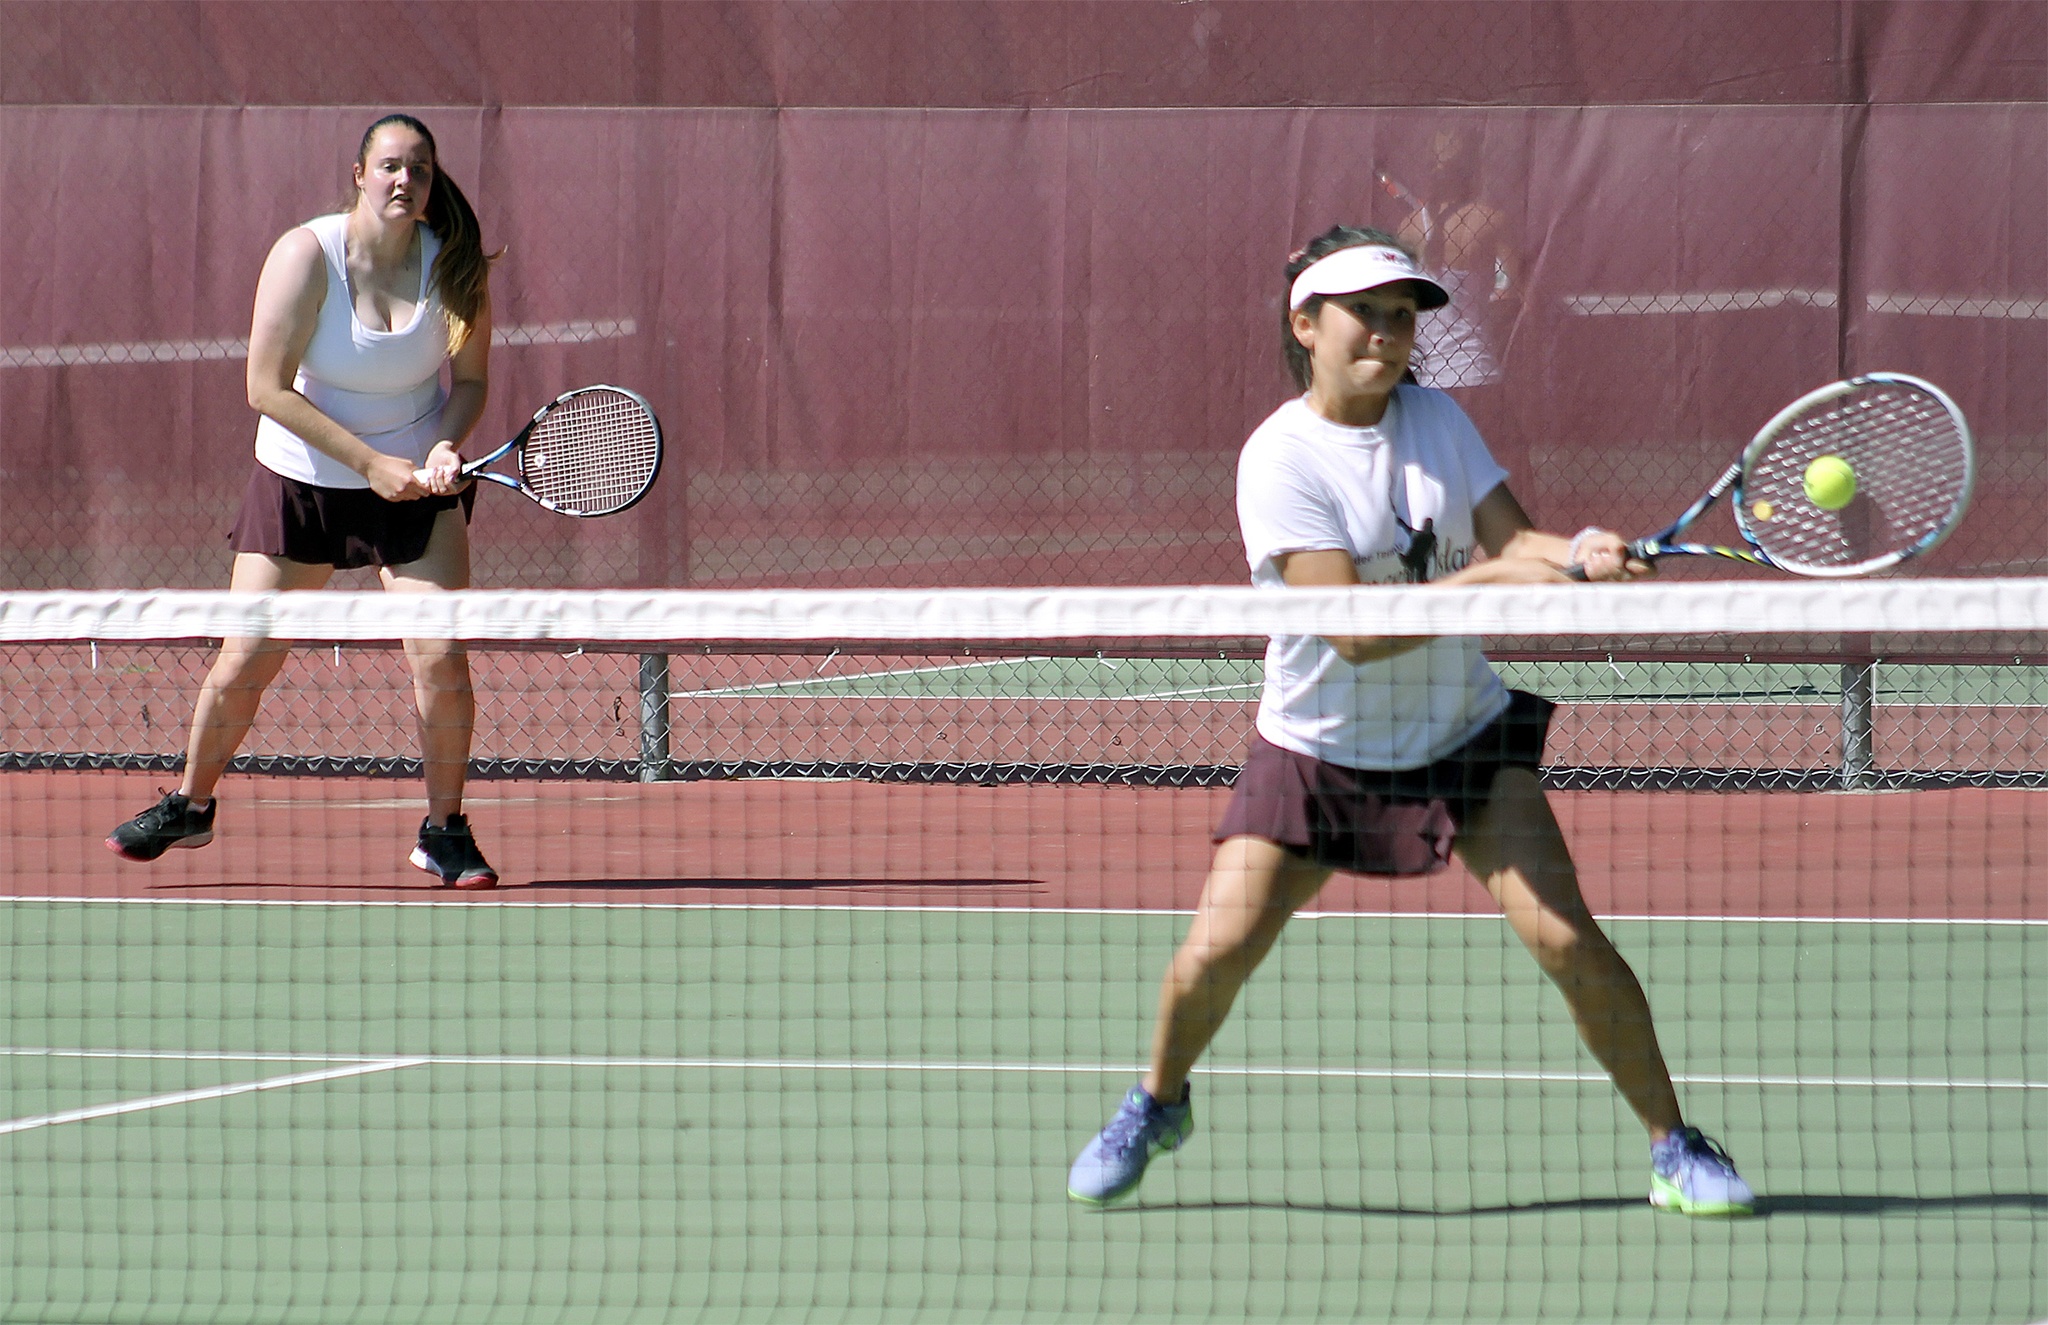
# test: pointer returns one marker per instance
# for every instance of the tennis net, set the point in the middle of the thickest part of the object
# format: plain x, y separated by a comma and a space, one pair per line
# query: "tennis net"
830, 928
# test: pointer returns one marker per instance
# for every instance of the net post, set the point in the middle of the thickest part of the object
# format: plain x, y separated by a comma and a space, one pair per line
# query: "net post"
1859, 705
654, 752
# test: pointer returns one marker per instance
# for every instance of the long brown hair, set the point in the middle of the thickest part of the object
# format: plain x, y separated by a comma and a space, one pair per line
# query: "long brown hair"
462, 270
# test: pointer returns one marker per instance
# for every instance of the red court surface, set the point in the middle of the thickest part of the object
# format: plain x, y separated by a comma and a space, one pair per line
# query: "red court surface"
1952, 854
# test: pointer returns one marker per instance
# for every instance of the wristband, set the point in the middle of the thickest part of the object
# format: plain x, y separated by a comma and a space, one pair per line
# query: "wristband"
1578, 539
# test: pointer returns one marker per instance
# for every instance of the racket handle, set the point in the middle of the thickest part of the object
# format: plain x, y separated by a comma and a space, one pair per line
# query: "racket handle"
464, 474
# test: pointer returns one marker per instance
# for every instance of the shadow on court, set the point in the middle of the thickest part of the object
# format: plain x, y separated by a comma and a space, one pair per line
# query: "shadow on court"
774, 885
351, 886
1392, 1211
1009, 886
1792, 1204
1851, 1203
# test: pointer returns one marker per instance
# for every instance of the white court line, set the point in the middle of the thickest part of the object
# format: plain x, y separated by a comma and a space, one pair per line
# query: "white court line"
1254, 688
355, 1069
817, 682
1251, 689
808, 683
1831, 1081
774, 689
977, 910
201, 1056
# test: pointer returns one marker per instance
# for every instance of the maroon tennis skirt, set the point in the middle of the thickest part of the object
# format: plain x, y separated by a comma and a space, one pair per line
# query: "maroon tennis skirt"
1373, 821
339, 527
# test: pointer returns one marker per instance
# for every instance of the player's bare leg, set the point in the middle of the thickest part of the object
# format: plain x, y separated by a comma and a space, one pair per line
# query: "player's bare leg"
447, 709
241, 673
221, 718
1516, 849
441, 683
1254, 887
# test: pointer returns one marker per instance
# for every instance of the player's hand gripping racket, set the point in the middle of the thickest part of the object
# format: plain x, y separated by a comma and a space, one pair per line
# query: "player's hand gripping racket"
1848, 479
591, 451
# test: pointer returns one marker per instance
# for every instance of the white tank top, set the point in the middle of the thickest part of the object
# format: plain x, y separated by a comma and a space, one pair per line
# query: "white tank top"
383, 386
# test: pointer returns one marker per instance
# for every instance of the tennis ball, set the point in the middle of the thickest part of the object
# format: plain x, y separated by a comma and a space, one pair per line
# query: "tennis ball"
1763, 510
1830, 482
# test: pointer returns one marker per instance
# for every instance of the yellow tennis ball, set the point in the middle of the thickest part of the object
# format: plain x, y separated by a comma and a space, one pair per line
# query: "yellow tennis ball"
1830, 482
1763, 510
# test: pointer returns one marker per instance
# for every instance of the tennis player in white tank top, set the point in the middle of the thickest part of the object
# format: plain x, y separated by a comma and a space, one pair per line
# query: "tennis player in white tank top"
381, 384
357, 450
1331, 493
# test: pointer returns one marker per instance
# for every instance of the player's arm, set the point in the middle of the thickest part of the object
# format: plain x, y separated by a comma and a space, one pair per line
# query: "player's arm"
469, 384
1509, 536
1499, 250
288, 298
1333, 568
1325, 568
1520, 554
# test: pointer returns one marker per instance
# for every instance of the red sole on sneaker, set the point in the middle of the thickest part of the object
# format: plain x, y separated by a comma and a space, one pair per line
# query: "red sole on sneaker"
192, 843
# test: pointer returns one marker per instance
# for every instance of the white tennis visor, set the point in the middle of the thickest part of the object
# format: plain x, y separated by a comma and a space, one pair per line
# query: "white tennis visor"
1365, 267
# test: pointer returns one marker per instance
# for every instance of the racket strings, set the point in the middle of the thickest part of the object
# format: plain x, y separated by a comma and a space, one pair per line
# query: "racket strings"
594, 454
1911, 458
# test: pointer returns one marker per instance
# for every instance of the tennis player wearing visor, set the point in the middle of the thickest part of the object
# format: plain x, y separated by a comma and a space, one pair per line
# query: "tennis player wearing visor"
1388, 756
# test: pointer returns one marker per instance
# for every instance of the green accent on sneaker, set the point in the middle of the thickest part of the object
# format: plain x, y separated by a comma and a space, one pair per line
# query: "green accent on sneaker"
1691, 1175
1665, 1195
1110, 1167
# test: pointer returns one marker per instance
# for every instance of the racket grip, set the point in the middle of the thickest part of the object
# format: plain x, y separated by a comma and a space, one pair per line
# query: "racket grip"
1641, 550
462, 475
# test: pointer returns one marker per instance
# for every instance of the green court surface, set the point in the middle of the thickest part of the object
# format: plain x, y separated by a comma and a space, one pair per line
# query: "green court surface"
1237, 679
460, 1112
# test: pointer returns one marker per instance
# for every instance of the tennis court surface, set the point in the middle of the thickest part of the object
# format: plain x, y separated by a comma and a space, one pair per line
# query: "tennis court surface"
831, 928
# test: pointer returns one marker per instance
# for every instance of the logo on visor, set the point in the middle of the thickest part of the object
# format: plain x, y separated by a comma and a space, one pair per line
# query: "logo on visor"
1394, 257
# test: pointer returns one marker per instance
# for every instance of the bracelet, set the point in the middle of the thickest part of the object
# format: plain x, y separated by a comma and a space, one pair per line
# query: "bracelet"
1578, 539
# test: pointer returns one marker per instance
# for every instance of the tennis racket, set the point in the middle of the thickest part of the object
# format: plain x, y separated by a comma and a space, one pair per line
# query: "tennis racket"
1400, 193
588, 452
1911, 463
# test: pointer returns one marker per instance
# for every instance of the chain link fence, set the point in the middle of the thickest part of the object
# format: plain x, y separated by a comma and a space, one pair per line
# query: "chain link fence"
989, 293
1783, 716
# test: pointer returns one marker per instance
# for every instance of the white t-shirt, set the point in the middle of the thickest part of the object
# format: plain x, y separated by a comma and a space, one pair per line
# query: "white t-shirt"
383, 386
1306, 484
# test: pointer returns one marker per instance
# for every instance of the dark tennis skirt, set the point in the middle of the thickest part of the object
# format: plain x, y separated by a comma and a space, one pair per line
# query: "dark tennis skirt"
339, 527
1371, 821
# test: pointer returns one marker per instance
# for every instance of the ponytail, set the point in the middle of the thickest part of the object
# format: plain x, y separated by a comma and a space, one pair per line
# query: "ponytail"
462, 270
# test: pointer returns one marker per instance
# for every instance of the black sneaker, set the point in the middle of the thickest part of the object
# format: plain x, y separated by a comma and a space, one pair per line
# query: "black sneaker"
451, 853
171, 822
